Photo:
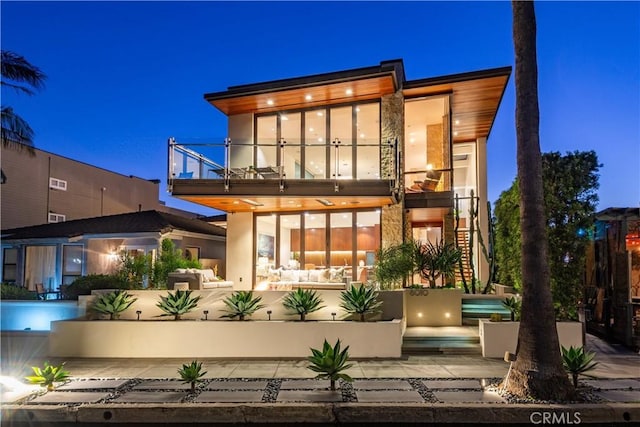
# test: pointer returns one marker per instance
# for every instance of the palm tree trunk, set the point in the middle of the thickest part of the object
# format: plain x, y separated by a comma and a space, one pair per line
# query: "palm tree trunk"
538, 370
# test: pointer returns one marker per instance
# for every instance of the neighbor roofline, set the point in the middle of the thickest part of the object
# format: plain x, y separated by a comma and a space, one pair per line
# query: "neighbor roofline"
460, 77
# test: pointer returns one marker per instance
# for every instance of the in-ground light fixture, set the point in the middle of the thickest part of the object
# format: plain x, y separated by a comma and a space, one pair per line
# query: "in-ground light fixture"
138, 312
269, 313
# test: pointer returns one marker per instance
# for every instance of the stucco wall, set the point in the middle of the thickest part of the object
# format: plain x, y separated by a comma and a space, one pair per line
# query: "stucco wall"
240, 249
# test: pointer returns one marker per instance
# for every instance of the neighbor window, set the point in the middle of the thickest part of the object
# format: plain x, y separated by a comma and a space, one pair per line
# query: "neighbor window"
9, 264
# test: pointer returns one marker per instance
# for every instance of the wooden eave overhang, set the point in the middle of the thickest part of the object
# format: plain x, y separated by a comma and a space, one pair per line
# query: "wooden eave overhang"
266, 195
311, 91
475, 98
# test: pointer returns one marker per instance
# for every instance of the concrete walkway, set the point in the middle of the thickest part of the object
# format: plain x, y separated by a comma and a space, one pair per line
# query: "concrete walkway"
415, 389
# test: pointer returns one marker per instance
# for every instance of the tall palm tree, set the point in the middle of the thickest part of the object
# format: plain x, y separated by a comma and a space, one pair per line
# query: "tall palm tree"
537, 371
17, 73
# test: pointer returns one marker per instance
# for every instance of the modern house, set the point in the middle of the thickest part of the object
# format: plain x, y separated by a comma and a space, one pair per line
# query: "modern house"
58, 253
319, 172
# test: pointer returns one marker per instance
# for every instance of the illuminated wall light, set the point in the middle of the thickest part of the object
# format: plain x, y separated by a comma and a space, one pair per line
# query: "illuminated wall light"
447, 315
269, 101
419, 314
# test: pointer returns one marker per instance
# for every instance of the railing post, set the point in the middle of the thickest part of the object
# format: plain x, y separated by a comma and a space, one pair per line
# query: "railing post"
283, 143
336, 173
170, 174
227, 175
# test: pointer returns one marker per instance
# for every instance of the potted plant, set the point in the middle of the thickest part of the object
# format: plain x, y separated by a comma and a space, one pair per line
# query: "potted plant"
241, 304
303, 302
48, 375
178, 303
360, 300
113, 303
330, 362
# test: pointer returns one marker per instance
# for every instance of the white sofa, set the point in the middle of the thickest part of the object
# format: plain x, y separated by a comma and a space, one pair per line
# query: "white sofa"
327, 278
198, 279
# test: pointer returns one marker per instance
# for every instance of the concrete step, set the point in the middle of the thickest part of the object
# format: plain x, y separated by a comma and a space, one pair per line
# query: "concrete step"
441, 345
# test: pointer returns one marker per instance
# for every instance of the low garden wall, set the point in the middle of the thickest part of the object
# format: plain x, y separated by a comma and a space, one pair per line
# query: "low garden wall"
230, 338
496, 338
433, 307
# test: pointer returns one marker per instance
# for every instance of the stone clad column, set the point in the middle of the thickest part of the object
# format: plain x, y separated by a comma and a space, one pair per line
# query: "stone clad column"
392, 117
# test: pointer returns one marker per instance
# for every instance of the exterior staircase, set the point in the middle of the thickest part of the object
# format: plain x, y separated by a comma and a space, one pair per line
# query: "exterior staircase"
463, 245
441, 340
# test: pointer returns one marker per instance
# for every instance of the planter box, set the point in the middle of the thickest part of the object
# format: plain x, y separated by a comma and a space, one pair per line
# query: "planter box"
220, 338
496, 338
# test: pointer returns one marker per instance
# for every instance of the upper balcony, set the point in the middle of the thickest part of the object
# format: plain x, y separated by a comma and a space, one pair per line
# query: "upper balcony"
285, 175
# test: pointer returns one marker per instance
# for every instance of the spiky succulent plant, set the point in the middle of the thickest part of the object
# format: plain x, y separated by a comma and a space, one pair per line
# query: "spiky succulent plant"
178, 303
302, 302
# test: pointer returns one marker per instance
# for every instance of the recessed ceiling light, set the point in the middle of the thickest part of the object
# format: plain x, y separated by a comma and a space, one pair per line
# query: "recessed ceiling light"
308, 97
457, 122
269, 101
343, 203
291, 201
349, 92
235, 202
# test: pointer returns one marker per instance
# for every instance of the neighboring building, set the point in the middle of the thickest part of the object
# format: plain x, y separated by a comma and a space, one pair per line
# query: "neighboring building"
47, 188
55, 254
612, 304
321, 171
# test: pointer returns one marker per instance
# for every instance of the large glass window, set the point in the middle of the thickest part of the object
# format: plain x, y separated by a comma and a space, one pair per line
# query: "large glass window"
329, 242
341, 133
321, 143
368, 137
72, 260
9, 264
315, 144
290, 132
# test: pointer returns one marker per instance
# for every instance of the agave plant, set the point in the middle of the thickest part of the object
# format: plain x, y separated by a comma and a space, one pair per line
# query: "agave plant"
303, 302
48, 375
192, 374
576, 361
330, 362
514, 305
113, 303
360, 300
178, 303
241, 304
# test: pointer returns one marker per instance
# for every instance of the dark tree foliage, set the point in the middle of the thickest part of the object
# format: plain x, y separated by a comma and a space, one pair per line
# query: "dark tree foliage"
570, 194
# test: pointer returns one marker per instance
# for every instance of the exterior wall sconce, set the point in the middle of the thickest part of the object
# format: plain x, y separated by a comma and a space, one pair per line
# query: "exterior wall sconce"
334, 316
206, 314
138, 313
269, 313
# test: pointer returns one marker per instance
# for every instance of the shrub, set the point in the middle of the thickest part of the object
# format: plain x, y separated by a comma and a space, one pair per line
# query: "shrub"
192, 374
113, 303
9, 291
330, 362
514, 305
360, 300
48, 375
177, 304
84, 285
576, 361
169, 259
241, 304
303, 302
495, 317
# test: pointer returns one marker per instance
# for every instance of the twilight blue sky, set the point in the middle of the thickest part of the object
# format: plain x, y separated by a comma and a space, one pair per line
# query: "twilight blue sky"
125, 76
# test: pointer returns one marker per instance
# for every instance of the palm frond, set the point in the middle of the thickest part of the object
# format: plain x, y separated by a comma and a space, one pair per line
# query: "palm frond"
16, 132
15, 67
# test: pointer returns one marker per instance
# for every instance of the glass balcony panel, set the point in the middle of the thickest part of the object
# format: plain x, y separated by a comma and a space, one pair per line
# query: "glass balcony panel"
315, 142
368, 140
341, 130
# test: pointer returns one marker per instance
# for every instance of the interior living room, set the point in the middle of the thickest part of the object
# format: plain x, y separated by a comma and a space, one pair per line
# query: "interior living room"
317, 173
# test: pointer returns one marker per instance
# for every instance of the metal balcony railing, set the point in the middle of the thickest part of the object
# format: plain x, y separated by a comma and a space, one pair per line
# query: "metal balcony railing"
284, 160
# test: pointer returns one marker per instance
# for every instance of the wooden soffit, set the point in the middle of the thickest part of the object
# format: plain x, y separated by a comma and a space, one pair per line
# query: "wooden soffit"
287, 204
307, 97
475, 98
